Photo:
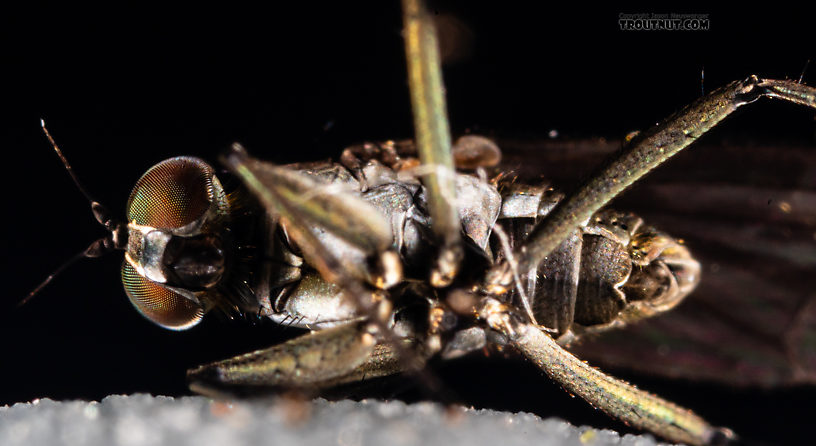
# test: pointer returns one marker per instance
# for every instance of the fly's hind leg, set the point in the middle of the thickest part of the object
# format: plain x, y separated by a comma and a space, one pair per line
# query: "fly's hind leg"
617, 398
646, 151
328, 226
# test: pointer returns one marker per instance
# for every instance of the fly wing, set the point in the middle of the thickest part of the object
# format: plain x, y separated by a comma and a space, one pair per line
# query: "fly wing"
748, 214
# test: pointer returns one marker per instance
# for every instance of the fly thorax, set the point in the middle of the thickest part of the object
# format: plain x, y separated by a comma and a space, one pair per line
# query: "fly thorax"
478, 204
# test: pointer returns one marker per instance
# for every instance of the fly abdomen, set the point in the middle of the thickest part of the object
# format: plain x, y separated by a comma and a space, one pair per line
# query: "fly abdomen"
612, 270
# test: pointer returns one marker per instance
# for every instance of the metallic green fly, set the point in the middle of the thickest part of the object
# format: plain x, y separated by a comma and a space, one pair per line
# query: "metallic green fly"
399, 253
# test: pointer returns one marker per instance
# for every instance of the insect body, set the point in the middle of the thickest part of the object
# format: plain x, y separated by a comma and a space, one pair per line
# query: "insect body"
192, 253
392, 264
611, 270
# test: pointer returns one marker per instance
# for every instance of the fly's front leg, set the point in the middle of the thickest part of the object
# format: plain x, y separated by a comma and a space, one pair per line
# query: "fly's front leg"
313, 212
308, 209
648, 150
617, 398
314, 360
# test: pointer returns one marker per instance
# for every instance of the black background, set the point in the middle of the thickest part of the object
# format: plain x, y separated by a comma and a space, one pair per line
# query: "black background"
125, 87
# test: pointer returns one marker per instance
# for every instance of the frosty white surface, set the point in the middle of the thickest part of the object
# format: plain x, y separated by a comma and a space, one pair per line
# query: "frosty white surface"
147, 420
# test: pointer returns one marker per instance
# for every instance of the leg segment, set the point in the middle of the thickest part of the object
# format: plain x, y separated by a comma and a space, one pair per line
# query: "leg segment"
617, 398
469, 152
305, 205
282, 192
397, 155
648, 150
433, 137
308, 361
383, 361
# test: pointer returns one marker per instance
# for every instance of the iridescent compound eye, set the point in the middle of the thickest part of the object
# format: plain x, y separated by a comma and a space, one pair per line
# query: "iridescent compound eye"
175, 212
172, 194
164, 307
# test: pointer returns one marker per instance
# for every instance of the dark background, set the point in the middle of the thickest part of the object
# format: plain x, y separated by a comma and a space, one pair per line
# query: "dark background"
124, 88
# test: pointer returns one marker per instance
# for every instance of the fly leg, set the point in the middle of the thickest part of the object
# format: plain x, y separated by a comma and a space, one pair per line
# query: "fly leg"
314, 360
617, 398
397, 155
323, 359
646, 151
383, 361
469, 152
321, 219
433, 141
433, 138
330, 228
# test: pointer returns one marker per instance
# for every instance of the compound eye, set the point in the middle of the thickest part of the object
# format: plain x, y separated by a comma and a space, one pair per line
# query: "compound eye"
162, 306
172, 194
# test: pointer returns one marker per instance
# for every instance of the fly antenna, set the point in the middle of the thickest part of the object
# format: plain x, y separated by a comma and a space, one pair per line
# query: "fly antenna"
65, 163
118, 236
117, 231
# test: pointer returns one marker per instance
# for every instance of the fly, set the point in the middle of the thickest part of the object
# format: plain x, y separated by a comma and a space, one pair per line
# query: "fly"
496, 302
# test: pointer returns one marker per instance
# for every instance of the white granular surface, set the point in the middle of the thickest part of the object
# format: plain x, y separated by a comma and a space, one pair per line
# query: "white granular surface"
147, 420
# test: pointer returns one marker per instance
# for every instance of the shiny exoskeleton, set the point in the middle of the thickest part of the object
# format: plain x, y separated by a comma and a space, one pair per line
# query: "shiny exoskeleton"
209, 249
355, 250
391, 258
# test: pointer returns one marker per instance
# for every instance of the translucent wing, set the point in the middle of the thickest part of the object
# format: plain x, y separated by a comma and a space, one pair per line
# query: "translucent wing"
749, 215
